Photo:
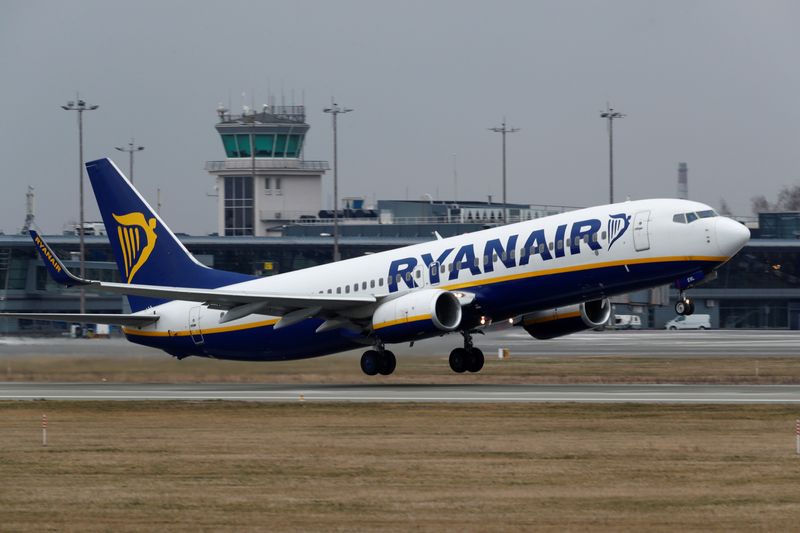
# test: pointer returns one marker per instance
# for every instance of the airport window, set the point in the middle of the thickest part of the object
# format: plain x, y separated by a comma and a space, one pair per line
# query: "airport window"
680, 218
264, 145
239, 212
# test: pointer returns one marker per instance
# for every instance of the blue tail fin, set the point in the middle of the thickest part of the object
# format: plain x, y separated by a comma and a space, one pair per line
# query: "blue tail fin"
146, 250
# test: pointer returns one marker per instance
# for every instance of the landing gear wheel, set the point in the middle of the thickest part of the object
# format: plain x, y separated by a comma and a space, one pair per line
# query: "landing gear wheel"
370, 362
690, 308
458, 360
680, 307
387, 363
475, 360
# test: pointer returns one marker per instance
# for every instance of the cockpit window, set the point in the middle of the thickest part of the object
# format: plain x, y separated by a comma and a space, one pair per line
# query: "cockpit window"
680, 218
707, 214
691, 217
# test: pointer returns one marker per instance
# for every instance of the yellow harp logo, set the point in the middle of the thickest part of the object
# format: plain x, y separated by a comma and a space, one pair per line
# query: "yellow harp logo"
137, 238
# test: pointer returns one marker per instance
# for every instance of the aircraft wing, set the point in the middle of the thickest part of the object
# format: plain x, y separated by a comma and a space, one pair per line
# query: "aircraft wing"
257, 302
88, 318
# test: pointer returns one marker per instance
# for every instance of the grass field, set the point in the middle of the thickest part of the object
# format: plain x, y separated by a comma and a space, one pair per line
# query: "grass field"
206, 466
412, 369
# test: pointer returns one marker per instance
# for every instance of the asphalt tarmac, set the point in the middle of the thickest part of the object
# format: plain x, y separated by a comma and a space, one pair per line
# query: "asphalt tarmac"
682, 394
649, 343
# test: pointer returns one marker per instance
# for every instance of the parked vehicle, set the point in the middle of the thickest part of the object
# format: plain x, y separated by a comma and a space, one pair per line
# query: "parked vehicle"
627, 322
690, 322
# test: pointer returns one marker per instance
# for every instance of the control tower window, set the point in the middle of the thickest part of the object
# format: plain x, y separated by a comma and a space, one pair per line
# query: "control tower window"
239, 205
264, 145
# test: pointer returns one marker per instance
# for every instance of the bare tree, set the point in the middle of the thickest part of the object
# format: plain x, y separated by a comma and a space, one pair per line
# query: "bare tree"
759, 204
723, 208
789, 198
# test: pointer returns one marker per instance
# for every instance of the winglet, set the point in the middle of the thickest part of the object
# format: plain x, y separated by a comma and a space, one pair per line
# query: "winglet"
53, 264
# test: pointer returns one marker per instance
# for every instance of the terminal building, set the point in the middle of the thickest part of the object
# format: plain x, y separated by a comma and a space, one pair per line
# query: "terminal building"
271, 219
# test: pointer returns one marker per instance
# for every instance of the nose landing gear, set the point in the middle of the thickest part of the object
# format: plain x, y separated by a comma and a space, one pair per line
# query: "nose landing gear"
468, 358
684, 306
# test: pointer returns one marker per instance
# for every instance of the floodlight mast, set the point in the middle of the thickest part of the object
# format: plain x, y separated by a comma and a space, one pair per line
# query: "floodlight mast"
335, 111
503, 130
609, 114
80, 106
131, 148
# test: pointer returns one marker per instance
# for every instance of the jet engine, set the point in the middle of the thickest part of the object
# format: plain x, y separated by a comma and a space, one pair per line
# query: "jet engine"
417, 314
565, 320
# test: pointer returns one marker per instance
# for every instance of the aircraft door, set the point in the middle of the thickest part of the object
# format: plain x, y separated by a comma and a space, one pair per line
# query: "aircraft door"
421, 276
194, 325
641, 235
433, 273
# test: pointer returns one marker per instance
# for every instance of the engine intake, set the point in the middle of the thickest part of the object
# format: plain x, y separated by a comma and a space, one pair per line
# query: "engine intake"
565, 320
417, 314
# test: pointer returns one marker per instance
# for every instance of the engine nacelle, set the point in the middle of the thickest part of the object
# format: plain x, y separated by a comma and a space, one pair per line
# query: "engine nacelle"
565, 320
417, 314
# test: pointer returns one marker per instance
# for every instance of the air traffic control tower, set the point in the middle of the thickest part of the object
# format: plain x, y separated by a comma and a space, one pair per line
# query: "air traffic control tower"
264, 180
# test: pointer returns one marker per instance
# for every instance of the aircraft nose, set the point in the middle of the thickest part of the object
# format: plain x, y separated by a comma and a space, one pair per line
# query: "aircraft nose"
731, 236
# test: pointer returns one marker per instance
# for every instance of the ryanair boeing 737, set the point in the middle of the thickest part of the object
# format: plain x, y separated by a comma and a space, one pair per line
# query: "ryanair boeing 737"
551, 276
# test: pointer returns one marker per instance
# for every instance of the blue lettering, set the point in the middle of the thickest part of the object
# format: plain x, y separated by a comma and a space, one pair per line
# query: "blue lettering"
581, 229
405, 273
464, 259
505, 254
428, 259
560, 231
537, 241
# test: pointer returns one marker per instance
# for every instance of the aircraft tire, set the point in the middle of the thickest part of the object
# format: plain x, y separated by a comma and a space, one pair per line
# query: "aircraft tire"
475, 360
680, 307
370, 362
690, 308
458, 360
387, 363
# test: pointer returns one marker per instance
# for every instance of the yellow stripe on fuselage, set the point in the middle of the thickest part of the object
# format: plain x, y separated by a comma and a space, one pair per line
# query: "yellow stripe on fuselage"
209, 331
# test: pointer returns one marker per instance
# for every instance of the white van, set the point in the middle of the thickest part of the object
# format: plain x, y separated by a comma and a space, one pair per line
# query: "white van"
690, 322
627, 322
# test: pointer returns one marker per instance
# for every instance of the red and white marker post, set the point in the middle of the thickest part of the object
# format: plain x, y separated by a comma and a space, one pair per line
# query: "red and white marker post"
797, 435
44, 430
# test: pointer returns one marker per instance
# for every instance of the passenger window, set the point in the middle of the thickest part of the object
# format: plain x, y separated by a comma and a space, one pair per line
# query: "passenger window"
399, 279
551, 245
603, 235
503, 256
680, 218
560, 245
594, 237
380, 282
372, 284
494, 258
347, 289
338, 290
477, 262
330, 291
541, 248
364, 285
691, 217
408, 276
442, 268
511, 254
419, 273
485, 259
355, 287
586, 239
450, 267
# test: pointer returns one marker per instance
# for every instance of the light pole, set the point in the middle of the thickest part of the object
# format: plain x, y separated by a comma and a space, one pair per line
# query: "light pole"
80, 106
503, 130
130, 149
335, 110
609, 114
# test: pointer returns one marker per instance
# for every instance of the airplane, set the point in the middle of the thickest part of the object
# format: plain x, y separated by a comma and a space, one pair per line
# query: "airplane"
551, 276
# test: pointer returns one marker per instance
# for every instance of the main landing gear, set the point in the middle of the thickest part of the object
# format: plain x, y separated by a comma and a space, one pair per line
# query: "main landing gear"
684, 306
379, 361
467, 358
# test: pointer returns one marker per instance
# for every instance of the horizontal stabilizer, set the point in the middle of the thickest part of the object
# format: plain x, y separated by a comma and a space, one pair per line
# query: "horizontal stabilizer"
87, 318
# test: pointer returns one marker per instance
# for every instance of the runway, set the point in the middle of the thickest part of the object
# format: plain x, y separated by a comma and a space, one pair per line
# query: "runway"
681, 394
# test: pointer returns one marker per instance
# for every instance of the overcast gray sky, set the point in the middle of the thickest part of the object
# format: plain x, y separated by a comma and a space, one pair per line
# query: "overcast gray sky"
712, 83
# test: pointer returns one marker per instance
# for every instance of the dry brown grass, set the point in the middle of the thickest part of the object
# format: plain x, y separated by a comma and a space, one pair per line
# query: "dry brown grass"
394, 467
411, 369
